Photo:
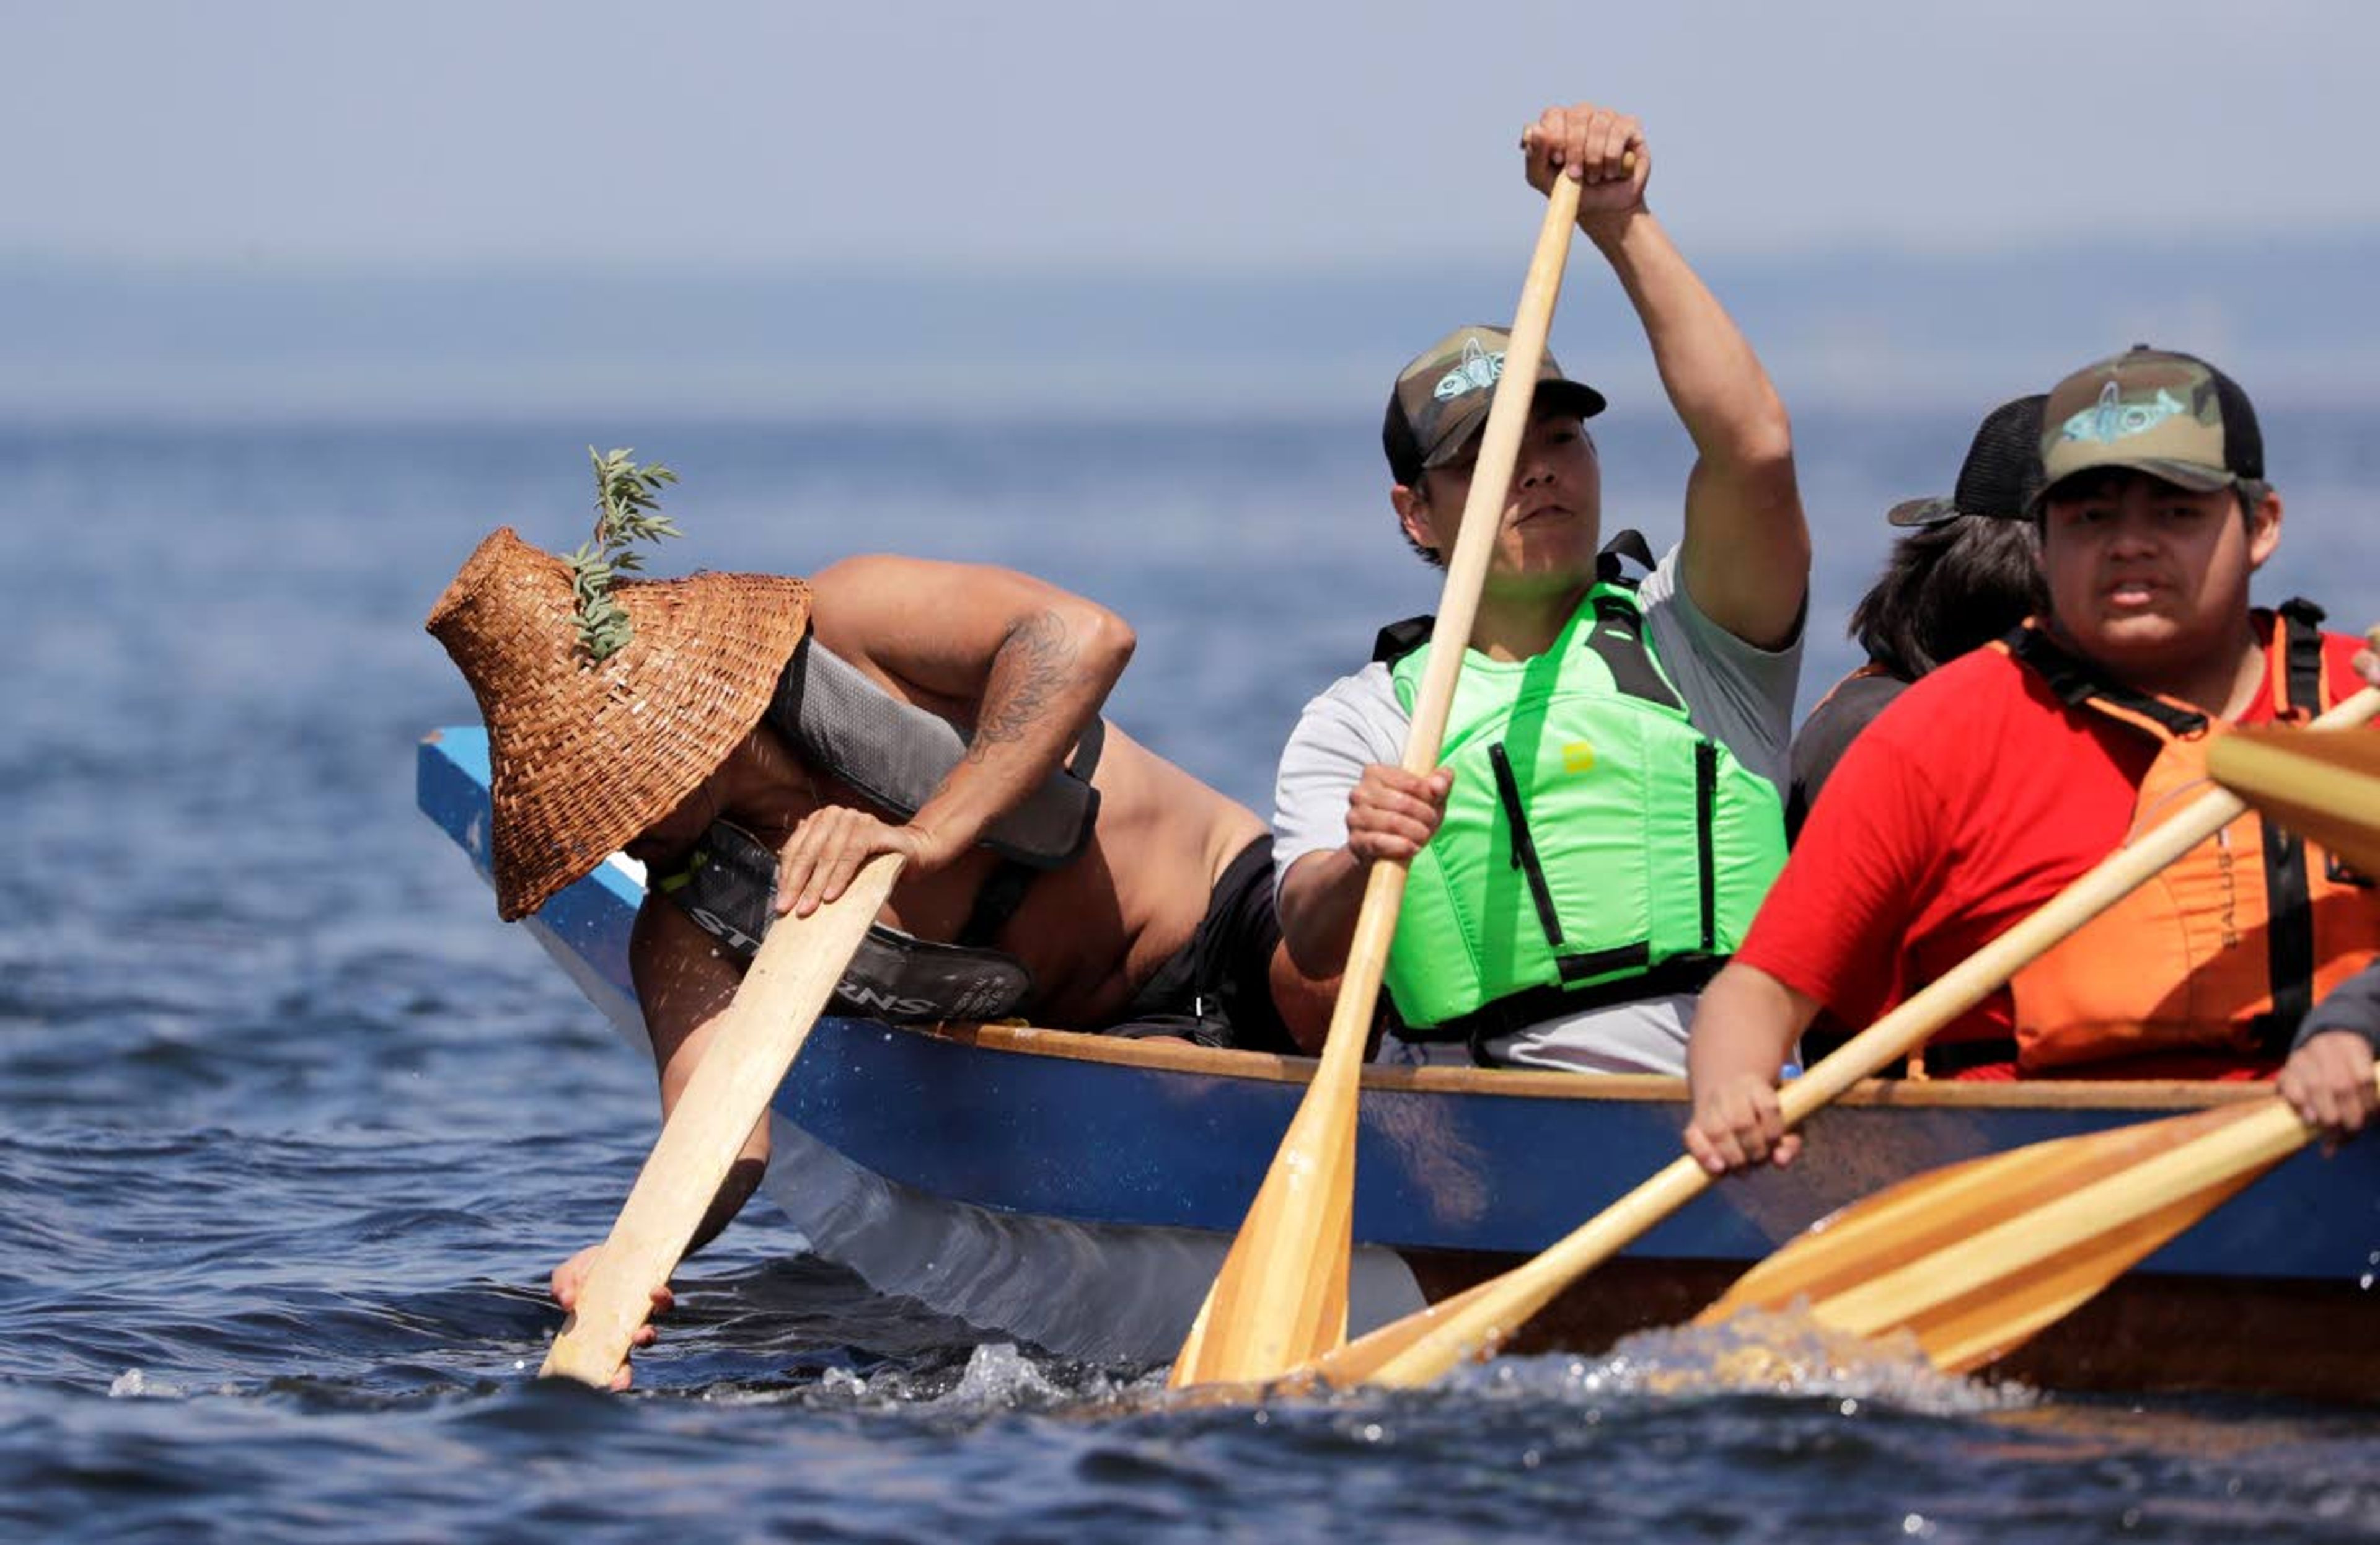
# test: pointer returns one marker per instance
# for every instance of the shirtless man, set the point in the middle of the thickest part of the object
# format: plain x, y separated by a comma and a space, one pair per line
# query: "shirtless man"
1160, 923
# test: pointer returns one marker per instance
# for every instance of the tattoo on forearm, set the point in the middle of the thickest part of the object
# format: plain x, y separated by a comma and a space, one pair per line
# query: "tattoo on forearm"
1036, 663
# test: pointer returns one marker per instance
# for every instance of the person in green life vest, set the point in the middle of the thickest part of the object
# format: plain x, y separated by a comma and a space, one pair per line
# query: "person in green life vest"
1607, 814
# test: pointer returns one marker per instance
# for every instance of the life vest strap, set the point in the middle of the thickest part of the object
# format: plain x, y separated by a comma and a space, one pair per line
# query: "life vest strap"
2289, 943
2077, 684
1627, 543
2301, 652
996, 901
1525, 848
1518, 1010
1706, 818
1617, 636
2289, 934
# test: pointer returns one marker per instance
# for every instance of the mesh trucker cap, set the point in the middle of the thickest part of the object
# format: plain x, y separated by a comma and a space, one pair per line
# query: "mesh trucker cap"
2172, 416
1441, 399
2001, 476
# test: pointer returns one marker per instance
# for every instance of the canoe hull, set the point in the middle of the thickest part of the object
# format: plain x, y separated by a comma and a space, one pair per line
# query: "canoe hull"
1078, 1191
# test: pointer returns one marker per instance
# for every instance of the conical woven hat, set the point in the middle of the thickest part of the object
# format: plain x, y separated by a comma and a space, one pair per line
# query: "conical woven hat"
585, 757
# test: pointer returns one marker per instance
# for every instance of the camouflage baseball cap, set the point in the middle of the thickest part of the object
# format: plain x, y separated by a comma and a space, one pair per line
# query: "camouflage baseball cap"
1441, 399
2001, 476
2172, 416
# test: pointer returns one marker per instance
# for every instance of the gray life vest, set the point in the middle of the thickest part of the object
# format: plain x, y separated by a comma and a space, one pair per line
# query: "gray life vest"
895, 754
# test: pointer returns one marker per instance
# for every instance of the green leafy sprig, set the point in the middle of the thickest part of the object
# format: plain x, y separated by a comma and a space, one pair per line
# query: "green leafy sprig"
628, 510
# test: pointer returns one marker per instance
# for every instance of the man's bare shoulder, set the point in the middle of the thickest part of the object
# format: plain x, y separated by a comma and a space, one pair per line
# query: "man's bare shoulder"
940, 624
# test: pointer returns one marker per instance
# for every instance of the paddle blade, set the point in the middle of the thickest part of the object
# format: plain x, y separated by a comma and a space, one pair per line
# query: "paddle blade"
1280, 1298
1475, 1324
791, 979
2321, 787
1974, 1258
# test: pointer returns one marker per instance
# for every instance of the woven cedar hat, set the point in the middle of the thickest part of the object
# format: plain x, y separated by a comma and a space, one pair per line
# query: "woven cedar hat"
587, 756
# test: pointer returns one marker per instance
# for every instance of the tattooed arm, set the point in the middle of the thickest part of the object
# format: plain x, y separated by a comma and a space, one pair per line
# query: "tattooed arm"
1026, 665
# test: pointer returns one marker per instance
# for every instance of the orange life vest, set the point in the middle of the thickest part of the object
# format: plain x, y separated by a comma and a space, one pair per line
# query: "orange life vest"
2226, 950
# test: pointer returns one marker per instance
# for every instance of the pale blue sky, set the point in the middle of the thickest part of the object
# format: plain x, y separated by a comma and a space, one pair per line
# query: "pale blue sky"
1218, 135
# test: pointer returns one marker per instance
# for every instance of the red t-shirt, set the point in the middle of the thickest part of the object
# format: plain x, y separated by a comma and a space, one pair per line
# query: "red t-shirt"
1973, 800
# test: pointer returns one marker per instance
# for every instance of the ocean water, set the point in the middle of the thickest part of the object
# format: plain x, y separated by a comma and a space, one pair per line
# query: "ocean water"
291, 1129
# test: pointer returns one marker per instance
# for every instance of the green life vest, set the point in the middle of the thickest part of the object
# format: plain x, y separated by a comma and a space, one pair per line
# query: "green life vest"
1596, 846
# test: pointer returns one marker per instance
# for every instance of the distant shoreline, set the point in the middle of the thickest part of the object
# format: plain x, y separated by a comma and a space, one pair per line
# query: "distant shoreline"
1857, 332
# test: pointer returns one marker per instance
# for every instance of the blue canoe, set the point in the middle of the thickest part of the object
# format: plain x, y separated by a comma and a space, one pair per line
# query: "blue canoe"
1077, 1191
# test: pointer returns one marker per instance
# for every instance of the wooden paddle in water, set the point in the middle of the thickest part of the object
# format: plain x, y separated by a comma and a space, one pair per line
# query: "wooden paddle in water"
2326, 787
788, 983
1280, 1297
1423, 1346
1975, 1258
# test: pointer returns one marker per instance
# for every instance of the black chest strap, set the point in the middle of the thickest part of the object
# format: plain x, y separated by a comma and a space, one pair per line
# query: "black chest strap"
2288, 893
2076, 683
2301, 657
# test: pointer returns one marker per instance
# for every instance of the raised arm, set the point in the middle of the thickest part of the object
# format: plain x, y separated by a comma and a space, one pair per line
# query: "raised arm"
1022, 665
1747, 561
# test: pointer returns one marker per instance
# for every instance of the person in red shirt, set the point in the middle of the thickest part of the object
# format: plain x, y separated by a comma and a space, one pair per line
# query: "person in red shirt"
2001, 777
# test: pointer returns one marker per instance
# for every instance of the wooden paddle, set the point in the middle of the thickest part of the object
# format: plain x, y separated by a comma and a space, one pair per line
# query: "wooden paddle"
2326, 787
789, 981
1280, 1297
1975, 1258
1422, 1346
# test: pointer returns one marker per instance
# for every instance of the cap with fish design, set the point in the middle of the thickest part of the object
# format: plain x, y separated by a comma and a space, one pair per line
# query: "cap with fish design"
2172, 416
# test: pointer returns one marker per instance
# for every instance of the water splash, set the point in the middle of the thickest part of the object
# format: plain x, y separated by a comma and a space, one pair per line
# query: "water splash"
133, 1384
1785, 1353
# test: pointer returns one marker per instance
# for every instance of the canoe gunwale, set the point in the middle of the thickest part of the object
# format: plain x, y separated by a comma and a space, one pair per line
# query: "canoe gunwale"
2163, 1094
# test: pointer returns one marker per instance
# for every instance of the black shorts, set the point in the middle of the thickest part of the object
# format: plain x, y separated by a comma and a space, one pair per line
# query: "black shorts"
1218, 990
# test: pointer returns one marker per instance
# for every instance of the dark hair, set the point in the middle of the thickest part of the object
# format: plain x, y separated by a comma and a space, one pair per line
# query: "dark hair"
1947, 589
1430, 555
1397, 439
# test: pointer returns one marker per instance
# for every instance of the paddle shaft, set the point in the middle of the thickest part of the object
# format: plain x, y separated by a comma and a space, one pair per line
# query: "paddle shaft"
1423, 1346
792, 976
1281, 1296
1458, 605
2327, 789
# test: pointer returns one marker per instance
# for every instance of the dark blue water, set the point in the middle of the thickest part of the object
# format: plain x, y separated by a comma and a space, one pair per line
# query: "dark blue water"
294, 1129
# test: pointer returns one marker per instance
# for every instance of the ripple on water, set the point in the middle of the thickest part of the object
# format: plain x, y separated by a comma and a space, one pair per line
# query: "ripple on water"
293, 1130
